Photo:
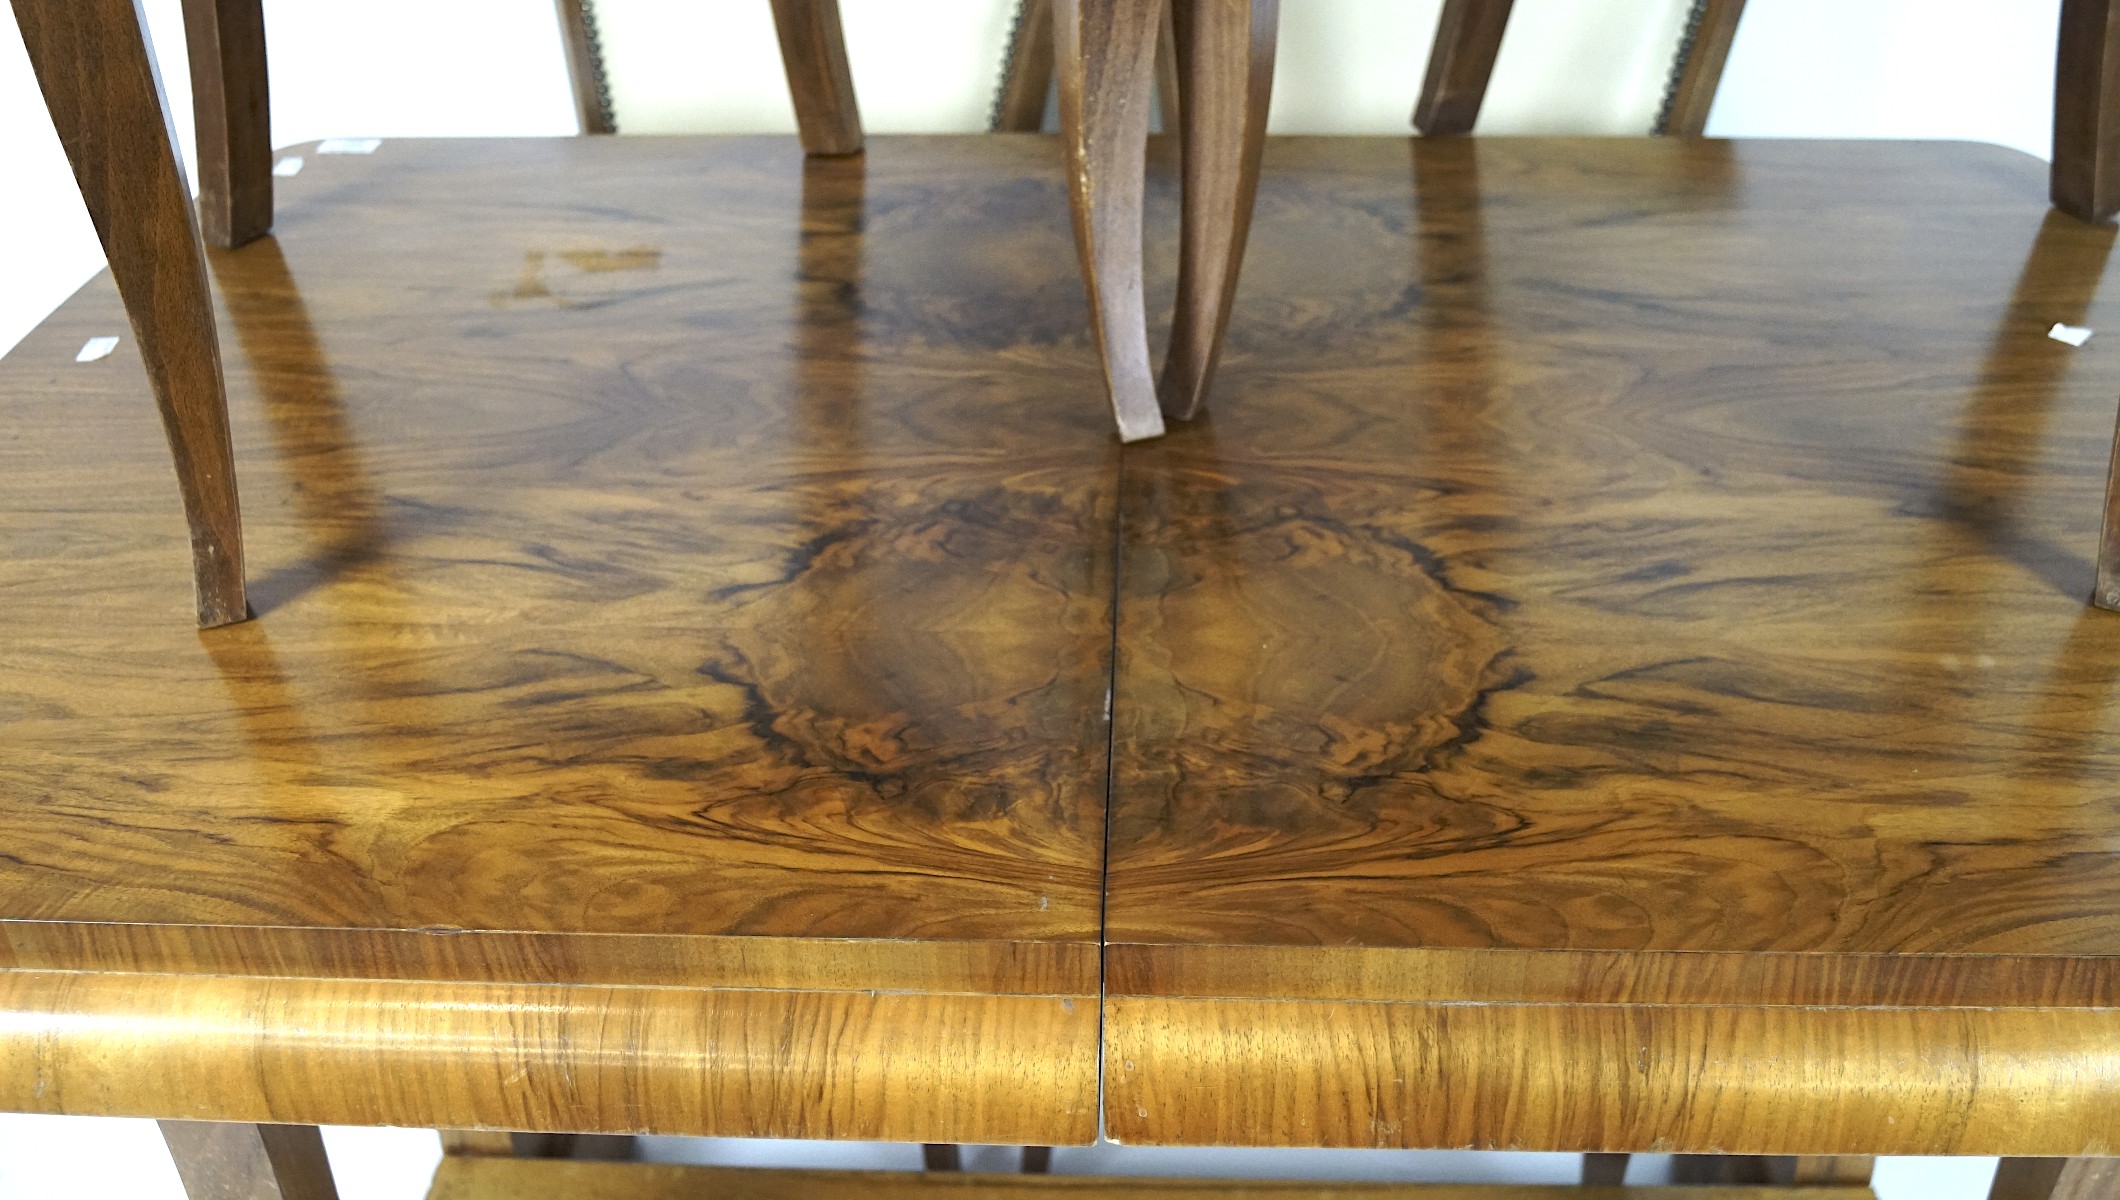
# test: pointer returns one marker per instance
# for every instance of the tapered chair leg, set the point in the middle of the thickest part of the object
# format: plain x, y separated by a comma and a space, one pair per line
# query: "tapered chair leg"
2086, 171
1105, 53
1225, 54
227, 1161
1468, 39
91, 58
230, 108
813, 50
1027, 76
592, 100
2056, 1179
1691, 97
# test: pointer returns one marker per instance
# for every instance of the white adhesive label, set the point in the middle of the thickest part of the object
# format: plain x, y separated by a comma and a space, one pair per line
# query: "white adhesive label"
348, 145
291, 165
95, 348
2074, 335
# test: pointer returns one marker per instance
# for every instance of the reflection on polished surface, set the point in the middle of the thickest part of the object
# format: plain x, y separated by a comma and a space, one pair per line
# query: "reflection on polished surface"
1614, 656
736, 582
1648, 598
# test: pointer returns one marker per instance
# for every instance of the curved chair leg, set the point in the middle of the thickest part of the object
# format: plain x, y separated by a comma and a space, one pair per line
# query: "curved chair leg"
92, 60
230, 109
1468, 37
228, 1161
1226, 52
1105, 51
813, 50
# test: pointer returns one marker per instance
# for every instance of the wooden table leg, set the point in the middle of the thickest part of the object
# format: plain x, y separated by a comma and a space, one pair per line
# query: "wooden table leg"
1605, 1170
1105, 51
813, 51
1468, 38
1226, 54
231, 112
2086, 170
941, 1156
2056, 1179
92, 60
222, 1161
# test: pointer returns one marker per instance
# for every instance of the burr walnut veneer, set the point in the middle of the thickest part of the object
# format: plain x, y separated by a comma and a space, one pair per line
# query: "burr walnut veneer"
678, 698
1611, 673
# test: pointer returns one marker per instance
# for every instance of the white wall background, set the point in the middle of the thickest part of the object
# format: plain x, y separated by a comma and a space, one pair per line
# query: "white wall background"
1975, 69
1970, 69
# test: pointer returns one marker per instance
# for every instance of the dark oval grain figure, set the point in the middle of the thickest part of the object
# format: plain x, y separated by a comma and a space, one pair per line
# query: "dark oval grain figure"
1617, 656
684, 595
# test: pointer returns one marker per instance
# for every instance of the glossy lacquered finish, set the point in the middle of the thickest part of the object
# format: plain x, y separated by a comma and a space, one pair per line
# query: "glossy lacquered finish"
679, 696
1657, 714
1617, 658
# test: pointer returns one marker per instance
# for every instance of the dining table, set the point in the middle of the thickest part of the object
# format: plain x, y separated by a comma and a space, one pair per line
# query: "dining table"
1610, 672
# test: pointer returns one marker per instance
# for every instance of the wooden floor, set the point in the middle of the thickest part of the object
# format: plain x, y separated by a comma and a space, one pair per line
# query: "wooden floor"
1615, 654
552, 1179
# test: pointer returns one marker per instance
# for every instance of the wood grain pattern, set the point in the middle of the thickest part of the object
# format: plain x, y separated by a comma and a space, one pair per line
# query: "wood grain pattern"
1105, 50
1720, 1080
813, 51
591, 101
1599, 683
2056, 1179
1468, 38
688, 576
720, 1062
1226, 53
93, 64
2085, 178
1709, 36
497, 1179
226, 1161
231, 115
